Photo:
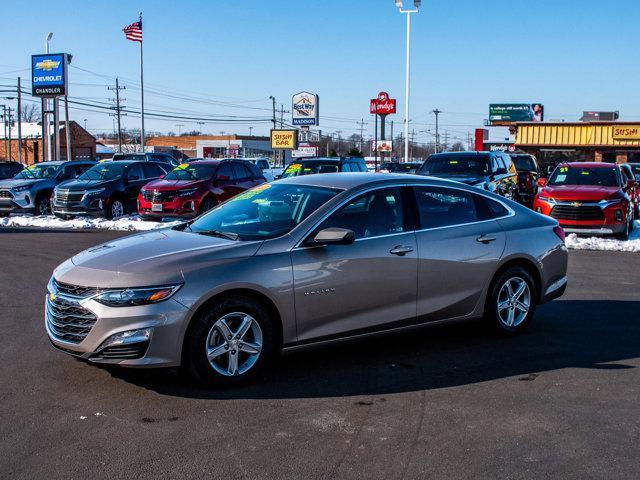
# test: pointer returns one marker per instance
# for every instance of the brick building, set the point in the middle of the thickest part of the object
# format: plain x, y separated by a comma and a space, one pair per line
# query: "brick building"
83, 144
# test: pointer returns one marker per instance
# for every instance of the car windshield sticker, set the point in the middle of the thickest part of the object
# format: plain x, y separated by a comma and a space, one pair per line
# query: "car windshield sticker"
564, 169
251, 193
294, 167
182, 166
561, 178
453, 162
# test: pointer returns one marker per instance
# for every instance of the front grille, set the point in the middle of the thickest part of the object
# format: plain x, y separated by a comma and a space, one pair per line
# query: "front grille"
577, 212
158, 196
5, 194
74, 290
67, 196
68, 321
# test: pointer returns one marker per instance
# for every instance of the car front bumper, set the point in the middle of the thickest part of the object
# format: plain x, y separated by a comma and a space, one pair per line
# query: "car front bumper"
163, 322
93, 207
20, 202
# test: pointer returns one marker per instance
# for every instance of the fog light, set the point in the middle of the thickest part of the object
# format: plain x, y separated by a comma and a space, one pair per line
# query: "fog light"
127, 338
618, 215
100, 204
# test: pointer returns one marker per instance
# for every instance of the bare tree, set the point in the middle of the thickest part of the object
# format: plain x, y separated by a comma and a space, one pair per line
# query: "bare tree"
457, 147
30, 113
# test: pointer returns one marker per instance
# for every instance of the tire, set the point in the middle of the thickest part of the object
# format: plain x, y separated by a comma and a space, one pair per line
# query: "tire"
114, 208
43, 205
205, 335
207, 204
507, 316
624, 235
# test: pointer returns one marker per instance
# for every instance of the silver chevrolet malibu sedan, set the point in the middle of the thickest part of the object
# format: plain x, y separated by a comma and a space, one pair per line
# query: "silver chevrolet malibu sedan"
303, 261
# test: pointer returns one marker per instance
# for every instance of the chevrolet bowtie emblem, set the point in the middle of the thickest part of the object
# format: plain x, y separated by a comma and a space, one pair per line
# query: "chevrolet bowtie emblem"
47, 65
576, 204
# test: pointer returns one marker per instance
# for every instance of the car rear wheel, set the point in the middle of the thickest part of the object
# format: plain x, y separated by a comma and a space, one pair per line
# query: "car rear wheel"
512, 301
231, 343
43, 205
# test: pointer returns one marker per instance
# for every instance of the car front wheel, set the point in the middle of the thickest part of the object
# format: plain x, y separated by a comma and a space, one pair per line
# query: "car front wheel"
512, 301
231, 343
43, 205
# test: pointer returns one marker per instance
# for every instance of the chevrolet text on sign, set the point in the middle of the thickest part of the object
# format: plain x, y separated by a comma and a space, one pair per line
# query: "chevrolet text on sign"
48, 75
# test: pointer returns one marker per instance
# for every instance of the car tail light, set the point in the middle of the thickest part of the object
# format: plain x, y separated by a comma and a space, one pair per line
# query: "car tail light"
559, 231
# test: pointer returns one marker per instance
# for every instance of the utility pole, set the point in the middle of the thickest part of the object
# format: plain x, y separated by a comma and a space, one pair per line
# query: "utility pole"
118, 109
179, 125
273, 102
413, 137
392, 147
362, 124
8, 120
437, 112
20, 123
4, 124
250, 131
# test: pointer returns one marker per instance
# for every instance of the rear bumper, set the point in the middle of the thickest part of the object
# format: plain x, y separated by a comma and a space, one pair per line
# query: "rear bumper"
555, 290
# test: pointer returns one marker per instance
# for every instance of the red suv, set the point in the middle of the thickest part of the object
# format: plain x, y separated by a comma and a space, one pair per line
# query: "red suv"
193, 188
588, 198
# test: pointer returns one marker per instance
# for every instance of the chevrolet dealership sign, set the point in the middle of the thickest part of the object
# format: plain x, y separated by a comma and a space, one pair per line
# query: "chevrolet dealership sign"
48, 75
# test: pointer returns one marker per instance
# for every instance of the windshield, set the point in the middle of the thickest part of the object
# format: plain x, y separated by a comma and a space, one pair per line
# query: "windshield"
308, 168
103, 171
266, 211
605, 177
456, 165
407, 168
524, 163
191, 171
39, 170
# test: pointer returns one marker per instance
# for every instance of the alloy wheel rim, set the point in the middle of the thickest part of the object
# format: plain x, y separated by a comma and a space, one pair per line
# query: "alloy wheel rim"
45, 207
234, 344
514, 301
117, 210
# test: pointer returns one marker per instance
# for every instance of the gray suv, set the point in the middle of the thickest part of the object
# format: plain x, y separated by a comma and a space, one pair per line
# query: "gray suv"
302, 261
30, 190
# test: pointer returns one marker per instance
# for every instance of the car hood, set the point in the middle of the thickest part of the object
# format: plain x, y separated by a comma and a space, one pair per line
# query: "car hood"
163, 184
154, 258
585, 193
464, 178
19, 182
86, 184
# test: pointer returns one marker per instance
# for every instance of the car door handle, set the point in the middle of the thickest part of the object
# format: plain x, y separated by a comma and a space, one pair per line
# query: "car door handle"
401, 250
486, 239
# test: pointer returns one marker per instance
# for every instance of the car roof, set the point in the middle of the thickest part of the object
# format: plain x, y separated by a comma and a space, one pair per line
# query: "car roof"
465, 154
347, 180
589, 164
54, 162
206, 161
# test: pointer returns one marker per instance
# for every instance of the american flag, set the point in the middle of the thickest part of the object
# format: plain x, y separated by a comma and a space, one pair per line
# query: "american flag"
133, 32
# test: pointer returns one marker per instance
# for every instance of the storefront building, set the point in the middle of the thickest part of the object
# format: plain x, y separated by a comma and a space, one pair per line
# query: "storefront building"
216, 146
553, 143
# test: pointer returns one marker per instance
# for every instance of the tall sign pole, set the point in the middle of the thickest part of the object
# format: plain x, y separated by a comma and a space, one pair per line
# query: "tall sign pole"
20, 122
141, 89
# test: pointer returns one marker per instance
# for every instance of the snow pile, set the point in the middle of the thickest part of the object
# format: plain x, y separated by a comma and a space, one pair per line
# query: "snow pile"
130, 223
606, 243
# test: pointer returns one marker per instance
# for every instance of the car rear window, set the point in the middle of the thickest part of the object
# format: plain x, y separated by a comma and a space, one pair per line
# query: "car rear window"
456, 164
524, 163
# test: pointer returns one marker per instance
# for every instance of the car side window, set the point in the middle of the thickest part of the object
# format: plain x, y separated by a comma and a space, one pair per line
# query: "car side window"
80, 169
151, 170
241, 173
443, 207
511, 168
135, 172
225, 172
372, 214
346, 167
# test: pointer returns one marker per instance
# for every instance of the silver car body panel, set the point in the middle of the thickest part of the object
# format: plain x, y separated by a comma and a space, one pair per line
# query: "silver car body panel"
318, 292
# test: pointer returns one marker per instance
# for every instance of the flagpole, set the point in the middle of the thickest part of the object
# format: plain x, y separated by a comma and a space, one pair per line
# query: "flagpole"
141, 91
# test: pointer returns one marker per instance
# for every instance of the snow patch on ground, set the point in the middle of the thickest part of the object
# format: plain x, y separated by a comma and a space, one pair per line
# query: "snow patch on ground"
606, 243
128, 223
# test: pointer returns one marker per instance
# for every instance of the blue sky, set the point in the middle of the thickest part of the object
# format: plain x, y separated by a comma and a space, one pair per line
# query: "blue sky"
570, 55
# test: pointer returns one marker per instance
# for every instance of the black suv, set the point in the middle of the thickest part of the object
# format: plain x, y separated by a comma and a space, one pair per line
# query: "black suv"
528, 174
309, 166
148, 157
400, 167
108, 189
493, 171
9, 169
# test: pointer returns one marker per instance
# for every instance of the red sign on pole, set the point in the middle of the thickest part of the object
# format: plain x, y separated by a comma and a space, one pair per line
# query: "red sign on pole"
383, 105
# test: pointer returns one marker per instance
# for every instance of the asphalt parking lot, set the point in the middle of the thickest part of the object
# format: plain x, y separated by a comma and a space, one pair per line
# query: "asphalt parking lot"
561, 401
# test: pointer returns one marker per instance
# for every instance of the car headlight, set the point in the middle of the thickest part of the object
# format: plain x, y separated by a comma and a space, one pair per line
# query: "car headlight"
91, 193
21, 188
543, 199
186, 193
130, 297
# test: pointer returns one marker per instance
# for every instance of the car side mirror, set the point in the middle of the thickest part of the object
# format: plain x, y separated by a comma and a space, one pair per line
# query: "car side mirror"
542, 182
335, 236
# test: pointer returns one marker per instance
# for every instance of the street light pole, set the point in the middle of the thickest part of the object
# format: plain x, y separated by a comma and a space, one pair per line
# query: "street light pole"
399, 4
